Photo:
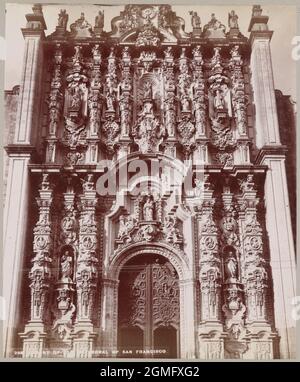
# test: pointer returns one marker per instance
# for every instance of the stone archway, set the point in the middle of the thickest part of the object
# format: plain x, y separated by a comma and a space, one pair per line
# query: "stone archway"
185, 343
148, 308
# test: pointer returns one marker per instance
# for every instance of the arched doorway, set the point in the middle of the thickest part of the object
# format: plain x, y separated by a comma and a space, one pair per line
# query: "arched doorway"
148, 308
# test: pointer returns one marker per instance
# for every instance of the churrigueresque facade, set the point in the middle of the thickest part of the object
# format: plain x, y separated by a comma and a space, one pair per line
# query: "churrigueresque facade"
105, 258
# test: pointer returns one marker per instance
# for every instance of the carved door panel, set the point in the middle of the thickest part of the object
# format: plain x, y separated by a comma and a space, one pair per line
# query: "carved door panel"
149, 302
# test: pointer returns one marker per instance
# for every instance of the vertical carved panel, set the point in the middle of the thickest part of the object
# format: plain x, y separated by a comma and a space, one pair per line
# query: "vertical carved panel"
210, 264
255, 266
54, 104
40, 274
87, 262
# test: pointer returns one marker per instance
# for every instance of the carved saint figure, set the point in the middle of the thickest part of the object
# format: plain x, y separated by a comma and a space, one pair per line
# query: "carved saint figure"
148, 209
233, 20
147, 90
196, 21
66, 265
76, 98
219, 100
82, 21
185, 104
126, 225
63, 18
99, 20
231, 266
110, 102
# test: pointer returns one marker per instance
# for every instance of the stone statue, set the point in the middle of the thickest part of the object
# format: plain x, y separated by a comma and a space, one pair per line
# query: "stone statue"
66, 267
110, 102
231, 266
185, 104
126, 225
99, 20
196, 21
218, 100
214, 28
233, 20
147, 90
148, 209
63, 18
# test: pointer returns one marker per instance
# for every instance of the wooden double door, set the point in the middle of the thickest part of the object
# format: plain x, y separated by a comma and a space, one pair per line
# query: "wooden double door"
148, 308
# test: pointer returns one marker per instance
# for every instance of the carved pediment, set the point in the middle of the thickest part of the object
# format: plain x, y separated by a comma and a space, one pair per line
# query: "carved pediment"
81, 28
214, 28
148, 25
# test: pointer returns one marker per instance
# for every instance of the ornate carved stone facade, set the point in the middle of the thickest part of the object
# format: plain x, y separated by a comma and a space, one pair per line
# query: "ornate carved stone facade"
179, 258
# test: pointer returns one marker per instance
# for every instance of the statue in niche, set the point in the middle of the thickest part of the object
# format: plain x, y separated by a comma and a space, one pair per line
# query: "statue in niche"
212, 296
66, 266
110, 102
196, 21
147, 89
185, 104
233, 20
231, 266
219, 100
63, 18
77, 97
148, 209
99, 20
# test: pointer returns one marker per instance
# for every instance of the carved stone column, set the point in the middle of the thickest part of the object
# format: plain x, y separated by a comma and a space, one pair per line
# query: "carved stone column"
86, 269
199, 107
209, 273
169, 93
40, 276
255, 270
125, 95
110, 130
186, 131
54, 105
234, 309
199, 104
94, 103
242, 154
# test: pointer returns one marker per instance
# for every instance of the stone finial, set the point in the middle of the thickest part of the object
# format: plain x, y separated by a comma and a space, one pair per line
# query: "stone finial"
37, 10
258, 22
256, 10
35, 20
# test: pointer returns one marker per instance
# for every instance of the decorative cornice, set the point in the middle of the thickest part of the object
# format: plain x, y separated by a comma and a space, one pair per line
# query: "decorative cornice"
267, 35
275, 151
12, 149
30, 32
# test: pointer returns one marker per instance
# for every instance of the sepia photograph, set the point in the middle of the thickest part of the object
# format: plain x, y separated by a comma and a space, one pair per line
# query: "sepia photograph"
149, 182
